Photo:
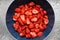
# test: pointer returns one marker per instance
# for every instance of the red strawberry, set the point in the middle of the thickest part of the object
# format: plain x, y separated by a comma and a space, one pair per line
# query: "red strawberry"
37, 30
28, 36
17, 10
27, 30
31, 25
39, 33
33, 34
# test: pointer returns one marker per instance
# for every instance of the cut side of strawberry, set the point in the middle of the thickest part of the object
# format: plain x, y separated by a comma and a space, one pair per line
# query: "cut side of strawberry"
34, 19
34, 11
28, 13
27, 30
39, 33
31, 4
27, 21
31, 25
33, 34
22, 17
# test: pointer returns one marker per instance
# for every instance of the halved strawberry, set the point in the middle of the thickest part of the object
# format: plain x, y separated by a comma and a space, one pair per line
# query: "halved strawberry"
39, 33
34, 11
27, 30
22, 17
28, 36
37, 30
31, 25
27, 21
31, 4
33, 34
28, 13
17, 10
20, 21
34, 19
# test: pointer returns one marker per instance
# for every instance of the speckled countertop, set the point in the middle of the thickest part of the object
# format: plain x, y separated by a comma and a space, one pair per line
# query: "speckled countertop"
5, 35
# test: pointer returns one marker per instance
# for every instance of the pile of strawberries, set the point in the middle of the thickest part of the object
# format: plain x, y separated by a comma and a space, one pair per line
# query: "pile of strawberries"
30, 20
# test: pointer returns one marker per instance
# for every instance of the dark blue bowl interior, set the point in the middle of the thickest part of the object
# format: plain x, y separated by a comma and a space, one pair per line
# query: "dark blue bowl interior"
10, 12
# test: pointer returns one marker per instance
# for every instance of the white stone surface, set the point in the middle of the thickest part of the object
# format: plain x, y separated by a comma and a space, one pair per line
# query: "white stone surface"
4, 33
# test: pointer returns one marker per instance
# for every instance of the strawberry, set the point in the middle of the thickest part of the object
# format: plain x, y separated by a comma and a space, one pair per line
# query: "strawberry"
27, 30
37, 30
34, 19
33, 34
31, 25
39, 33
34, 11
17, 10
31, 4
28, 36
